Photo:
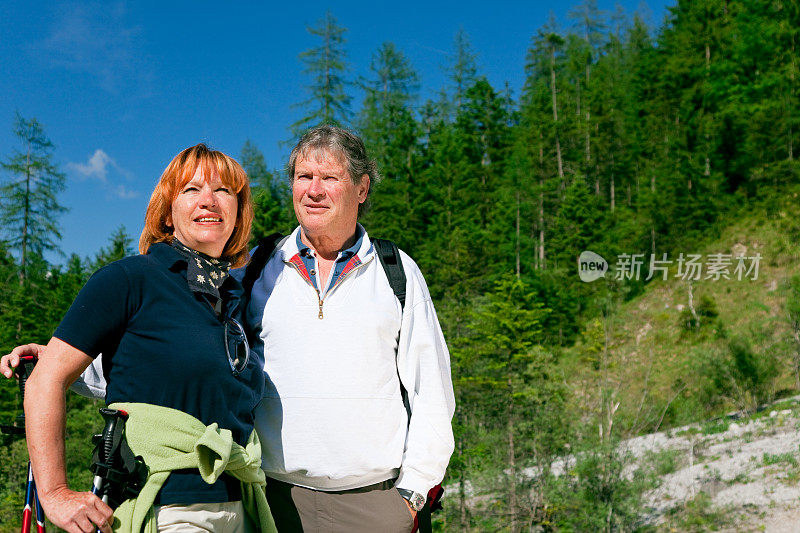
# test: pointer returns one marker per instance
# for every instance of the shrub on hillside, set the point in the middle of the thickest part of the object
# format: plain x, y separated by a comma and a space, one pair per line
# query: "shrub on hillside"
739, 375
705, 312
596, 494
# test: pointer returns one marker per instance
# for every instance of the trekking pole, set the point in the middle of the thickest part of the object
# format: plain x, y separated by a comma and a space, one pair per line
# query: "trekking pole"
32, 505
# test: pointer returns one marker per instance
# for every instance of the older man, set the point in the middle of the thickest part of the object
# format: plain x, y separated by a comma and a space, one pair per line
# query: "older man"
342, 451
338, 442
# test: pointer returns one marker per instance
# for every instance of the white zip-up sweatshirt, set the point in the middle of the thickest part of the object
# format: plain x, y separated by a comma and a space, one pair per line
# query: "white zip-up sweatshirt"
332, 417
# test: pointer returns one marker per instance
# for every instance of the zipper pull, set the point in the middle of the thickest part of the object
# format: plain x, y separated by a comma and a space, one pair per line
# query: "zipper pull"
320, 310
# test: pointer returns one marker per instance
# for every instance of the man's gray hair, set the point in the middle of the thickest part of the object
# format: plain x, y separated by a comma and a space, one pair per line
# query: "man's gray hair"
343, 143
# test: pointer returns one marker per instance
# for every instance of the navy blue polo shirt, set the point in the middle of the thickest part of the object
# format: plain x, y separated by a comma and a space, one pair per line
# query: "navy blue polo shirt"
162, 344
344, 256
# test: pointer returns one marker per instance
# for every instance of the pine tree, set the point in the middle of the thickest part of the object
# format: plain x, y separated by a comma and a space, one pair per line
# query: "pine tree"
612, 158
29, 203
540, 127
270, 199
761, 104
484, 192
27, 312
65, 282
462, 71
588, 19
254, 163
328, 101
578, 224
554, 42
389, 130
120, 245
693, 50
9, 287
506, 329
443, 245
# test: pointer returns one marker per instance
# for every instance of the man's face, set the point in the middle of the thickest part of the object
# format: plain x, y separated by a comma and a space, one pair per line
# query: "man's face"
324, 196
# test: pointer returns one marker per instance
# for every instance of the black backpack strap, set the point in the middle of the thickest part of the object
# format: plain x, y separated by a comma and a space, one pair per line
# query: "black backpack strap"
266, 247
392, 265
389, 256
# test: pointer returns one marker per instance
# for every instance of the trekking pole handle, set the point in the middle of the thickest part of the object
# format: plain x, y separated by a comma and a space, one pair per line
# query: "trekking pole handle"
112, 418
23, 373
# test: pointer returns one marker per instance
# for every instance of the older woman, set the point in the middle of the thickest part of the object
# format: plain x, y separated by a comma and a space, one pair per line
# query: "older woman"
175, 357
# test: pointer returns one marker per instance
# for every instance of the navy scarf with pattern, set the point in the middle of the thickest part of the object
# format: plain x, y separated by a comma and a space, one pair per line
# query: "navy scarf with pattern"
204, 273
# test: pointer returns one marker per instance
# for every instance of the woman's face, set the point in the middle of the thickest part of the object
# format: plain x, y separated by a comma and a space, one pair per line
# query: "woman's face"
204, 214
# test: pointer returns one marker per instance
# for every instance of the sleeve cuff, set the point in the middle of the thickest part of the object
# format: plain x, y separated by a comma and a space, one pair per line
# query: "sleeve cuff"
415, 483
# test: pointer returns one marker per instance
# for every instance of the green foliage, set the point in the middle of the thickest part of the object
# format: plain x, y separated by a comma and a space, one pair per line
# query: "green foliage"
326, 65
13, 475
509, 382
793, 300
793, 312
579, 223
388, 127
83, 422
704, 313
462, 71
698, 515
507, 326
739, 374
593, 342
663, 462
29, 205
271, 198
715, 427
779, 458
595, 494
120, 245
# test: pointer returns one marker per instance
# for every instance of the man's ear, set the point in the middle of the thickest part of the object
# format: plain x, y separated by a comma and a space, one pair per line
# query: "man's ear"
363, 189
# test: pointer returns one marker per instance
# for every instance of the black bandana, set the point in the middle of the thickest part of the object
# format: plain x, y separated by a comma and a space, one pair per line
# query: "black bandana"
205, 274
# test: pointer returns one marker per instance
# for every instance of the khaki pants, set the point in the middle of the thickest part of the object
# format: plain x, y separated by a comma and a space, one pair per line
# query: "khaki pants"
378, 508
226, 517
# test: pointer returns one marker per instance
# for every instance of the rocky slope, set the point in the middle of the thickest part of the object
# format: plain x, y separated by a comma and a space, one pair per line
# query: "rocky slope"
746, 470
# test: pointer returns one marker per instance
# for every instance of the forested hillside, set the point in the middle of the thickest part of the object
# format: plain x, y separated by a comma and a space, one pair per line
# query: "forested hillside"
629, 141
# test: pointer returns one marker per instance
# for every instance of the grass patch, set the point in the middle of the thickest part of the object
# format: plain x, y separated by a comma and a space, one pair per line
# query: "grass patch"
664, 462
789, 473
779, 458
778, 407
714, 427
740, 479
692, 430
698, 514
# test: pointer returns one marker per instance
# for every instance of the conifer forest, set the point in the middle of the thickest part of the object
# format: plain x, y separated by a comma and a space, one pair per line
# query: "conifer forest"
658, 148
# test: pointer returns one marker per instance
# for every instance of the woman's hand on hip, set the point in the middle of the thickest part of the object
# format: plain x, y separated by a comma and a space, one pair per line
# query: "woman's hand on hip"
77, 512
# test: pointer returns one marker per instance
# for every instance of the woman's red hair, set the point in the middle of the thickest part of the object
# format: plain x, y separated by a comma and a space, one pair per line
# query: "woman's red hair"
178, 173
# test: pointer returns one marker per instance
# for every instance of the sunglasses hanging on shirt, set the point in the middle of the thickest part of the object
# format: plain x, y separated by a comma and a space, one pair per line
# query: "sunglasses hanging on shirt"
236, 346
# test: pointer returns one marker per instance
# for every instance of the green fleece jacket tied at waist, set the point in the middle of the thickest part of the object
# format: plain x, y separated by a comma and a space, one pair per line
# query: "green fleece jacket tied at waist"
169, 440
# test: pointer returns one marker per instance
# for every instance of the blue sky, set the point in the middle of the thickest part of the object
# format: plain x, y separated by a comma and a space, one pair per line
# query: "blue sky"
121, 87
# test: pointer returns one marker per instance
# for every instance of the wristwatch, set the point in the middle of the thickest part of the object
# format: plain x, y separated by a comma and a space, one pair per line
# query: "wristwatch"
415, 499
